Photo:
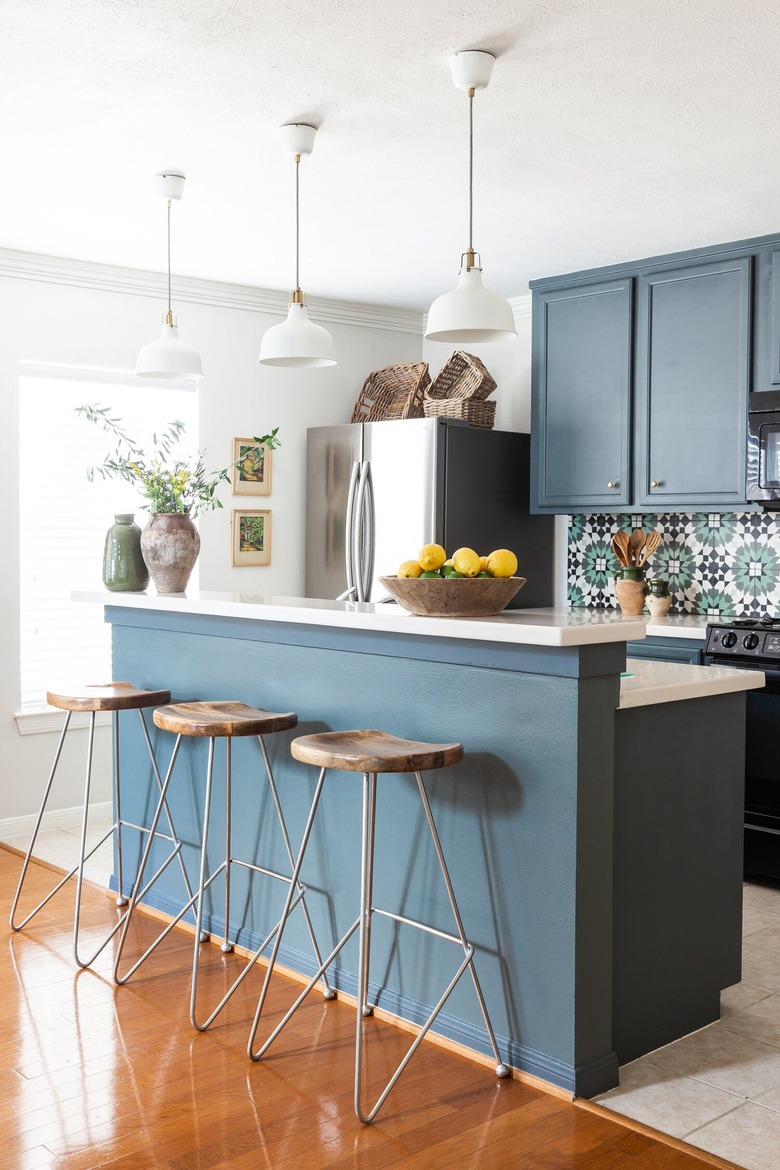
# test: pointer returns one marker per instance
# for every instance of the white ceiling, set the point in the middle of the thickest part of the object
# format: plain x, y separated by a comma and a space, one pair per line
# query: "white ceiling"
612, 130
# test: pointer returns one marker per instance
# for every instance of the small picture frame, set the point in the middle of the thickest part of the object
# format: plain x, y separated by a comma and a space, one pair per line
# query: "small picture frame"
251, 475
251, 537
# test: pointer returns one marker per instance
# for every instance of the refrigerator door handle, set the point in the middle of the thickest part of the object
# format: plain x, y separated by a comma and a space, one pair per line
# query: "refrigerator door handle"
349, 526
359, 532
370, 542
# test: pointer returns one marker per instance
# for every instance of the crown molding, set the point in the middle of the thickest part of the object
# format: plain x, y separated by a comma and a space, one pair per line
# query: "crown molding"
139, 282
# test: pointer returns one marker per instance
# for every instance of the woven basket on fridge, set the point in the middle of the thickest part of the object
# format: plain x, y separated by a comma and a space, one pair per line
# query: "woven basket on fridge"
475, 411
395, 392
461, 376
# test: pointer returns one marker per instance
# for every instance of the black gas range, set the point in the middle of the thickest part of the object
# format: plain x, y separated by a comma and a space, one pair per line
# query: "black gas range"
754, 644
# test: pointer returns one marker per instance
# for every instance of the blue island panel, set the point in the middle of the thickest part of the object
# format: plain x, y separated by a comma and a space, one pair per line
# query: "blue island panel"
525, 819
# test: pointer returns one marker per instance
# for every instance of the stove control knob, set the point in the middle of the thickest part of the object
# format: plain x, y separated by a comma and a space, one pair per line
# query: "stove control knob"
750, 641
729, 639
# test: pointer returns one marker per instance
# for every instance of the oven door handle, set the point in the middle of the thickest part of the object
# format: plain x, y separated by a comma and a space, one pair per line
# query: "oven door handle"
771, 673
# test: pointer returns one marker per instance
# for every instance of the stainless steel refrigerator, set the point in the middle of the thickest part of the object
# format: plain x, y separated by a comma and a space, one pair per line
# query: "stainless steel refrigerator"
377, 492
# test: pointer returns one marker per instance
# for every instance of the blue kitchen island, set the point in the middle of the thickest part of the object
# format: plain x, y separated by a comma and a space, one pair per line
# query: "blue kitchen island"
566, 829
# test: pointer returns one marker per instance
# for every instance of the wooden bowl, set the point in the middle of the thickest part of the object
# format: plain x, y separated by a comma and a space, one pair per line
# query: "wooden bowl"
458, 597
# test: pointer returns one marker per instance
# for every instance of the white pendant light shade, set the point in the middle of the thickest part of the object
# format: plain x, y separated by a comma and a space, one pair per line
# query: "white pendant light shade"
297, 342
168, 357
470, 313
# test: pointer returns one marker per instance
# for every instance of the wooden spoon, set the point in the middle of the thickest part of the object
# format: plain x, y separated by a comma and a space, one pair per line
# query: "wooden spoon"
620, 547
636, 543
651, 544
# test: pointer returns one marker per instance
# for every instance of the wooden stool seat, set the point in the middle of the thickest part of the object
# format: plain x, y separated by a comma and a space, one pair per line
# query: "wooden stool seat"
373, 751
113, 696
223, 719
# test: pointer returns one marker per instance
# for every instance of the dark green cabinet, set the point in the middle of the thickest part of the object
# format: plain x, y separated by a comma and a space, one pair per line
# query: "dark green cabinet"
641, 375
583, 343
691, 387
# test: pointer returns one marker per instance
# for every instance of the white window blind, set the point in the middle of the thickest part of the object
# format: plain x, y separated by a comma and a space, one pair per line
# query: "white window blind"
64, 518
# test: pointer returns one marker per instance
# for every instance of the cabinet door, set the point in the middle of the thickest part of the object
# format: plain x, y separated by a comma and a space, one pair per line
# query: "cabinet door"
693, 363
766, 374
581, 396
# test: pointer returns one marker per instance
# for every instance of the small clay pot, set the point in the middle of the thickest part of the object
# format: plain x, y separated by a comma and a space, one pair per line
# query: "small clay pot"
658, 604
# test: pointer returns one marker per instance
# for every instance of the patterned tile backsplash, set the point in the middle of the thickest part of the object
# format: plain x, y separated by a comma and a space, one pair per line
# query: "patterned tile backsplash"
715, 562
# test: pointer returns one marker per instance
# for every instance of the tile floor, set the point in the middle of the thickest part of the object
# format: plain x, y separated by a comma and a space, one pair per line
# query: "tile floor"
718, 1089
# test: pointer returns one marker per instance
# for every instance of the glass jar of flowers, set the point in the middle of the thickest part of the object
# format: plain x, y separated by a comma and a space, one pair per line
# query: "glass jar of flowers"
177, 489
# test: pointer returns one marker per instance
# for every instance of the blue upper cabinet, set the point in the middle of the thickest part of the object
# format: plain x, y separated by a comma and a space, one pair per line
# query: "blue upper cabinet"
582, 415
640, 379
692, 378
767, 348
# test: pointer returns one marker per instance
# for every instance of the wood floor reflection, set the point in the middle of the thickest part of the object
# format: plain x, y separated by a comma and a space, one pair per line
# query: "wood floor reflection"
98, 1076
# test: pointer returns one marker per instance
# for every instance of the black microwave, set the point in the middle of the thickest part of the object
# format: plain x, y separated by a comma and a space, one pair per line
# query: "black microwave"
763, 453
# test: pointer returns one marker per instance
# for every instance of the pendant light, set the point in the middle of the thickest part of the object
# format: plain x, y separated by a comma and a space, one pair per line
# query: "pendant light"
297, 341
168, 356
470, 313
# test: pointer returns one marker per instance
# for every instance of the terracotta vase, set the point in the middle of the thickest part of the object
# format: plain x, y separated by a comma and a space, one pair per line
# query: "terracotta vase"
630, 590
170, 544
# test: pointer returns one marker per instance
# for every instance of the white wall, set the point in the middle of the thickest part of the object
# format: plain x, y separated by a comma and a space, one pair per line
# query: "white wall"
62, 312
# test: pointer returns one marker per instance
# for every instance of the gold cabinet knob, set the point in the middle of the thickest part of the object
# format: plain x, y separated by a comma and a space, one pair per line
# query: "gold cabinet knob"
612, 484
656, 483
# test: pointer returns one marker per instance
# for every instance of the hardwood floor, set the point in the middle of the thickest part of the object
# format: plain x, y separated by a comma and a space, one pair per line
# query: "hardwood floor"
98, 1076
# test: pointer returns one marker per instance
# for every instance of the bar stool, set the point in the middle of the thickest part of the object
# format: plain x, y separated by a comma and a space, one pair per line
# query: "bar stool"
220, 720
114, 697
372, 753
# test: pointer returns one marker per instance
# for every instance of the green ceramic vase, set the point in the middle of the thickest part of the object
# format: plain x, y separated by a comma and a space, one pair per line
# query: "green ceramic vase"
124, 569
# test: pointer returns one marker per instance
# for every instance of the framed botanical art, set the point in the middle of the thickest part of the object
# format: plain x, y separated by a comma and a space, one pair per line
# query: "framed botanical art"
251, 537
251, 469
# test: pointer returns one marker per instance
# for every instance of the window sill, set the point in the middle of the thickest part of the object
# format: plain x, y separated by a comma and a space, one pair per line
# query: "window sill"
50, 719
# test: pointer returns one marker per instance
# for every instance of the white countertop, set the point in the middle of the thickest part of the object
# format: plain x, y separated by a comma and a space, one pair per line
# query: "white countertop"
647, 682
530, 627
679, 625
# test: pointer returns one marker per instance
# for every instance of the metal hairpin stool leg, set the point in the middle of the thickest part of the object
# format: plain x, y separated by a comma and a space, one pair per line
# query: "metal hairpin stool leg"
374, 752
114, 697
222, 720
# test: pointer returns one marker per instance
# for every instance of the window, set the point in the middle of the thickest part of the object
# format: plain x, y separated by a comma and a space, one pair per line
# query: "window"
64, 518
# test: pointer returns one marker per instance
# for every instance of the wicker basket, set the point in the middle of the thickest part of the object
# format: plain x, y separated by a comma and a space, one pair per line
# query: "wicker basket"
395, 392
476, 412
461, 376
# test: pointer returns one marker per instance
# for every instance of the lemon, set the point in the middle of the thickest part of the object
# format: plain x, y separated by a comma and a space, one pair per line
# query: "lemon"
466, 561
431, 557
409, 569
483, 568
502, 563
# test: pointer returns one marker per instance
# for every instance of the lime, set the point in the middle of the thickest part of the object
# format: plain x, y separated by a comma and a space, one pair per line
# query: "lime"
431, 557
431, 573
466, 561
484, 573
502, 563
409, 569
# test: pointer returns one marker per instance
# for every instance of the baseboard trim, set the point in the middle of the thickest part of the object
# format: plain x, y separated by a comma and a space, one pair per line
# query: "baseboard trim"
58, 818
